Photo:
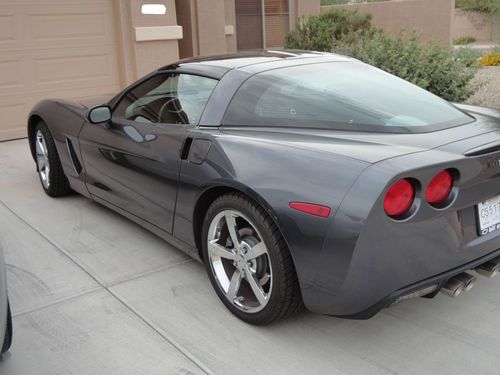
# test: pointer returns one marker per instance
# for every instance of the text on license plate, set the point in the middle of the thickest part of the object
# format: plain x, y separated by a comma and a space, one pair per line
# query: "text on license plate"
488, 213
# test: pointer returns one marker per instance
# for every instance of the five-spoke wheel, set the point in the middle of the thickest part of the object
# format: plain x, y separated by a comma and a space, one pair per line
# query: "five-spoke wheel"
42, 159
248, 261
48, 165
239, 259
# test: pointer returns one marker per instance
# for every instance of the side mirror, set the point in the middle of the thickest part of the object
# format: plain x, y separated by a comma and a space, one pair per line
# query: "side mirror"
98, 115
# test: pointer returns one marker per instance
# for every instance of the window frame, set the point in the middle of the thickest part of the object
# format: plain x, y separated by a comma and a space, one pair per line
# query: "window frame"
116, 100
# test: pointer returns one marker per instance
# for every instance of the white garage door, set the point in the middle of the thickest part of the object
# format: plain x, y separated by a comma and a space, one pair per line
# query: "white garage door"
53, 49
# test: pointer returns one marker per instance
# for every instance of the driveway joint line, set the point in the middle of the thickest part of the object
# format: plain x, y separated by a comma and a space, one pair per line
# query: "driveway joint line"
164, 335
57, 301
190, 357
148, 273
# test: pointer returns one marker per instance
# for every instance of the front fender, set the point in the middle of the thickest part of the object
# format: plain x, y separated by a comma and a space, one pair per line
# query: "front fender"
64, 119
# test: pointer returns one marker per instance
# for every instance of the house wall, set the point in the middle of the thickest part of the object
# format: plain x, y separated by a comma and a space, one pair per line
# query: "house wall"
477, 25
211, 26
303, 8
208, 26
432, 18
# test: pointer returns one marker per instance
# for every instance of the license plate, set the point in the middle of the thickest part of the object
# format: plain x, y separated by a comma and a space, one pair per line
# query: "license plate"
488, 213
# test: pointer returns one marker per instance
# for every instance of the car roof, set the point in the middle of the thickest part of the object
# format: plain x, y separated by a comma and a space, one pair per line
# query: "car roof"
218, 65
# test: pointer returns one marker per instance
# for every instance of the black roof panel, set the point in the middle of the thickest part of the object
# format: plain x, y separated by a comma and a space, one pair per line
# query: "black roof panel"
218, 65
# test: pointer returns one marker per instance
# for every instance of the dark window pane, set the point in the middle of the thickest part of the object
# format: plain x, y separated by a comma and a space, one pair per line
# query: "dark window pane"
339, 95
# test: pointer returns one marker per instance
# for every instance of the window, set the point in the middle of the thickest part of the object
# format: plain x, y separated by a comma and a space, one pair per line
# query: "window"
339, 95
167, 98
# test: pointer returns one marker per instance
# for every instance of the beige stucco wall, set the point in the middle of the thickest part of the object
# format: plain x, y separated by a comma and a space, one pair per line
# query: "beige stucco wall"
207, 27
303, 8
432, 18
230, 25
139, 57
474, 24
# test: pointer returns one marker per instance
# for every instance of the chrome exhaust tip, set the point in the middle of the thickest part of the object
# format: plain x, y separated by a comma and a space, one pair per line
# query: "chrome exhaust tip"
489, 269
453, 287
468, 280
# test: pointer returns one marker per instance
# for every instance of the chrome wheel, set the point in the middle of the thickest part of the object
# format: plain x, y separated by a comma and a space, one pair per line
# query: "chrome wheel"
42, 159
240, 261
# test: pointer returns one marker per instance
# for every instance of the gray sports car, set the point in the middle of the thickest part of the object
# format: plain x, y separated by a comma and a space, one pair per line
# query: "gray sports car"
298, 178
5, 316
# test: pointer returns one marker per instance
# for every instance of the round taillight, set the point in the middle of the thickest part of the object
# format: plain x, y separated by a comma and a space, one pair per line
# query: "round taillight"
439, 188
399, 198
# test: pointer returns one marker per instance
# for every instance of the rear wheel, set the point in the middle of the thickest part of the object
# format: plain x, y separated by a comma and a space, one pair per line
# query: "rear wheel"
50, 171
248, 262
8, 333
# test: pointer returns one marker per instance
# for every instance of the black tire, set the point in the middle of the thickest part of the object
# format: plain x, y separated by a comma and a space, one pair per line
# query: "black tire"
58, 184
285, 298
7, 342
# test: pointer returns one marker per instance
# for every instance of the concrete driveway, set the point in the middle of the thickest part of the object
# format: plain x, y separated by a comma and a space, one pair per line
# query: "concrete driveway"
93, 293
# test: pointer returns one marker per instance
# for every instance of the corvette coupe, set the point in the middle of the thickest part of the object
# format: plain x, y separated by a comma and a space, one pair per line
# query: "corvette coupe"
298, 178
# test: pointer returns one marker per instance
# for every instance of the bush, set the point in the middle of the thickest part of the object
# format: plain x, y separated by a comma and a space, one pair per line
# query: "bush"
463, 40
432, 67
487, 6
321, 33
335, 2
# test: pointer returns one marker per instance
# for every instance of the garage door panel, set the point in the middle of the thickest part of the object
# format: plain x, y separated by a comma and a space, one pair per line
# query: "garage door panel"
69, 92
54, 49
6, 28
85, 69
10, 74
10, 117
67, 26
64, 24
50, 70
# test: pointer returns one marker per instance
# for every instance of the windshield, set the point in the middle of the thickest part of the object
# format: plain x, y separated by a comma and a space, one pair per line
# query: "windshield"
339, 95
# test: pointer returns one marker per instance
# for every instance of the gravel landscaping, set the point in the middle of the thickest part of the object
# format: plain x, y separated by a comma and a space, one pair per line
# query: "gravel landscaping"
486, 85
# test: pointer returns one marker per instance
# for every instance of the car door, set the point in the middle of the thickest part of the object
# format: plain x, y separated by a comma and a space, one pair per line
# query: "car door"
133, 162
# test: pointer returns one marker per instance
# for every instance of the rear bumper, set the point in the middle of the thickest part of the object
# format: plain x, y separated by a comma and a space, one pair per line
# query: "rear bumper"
361, 275
368, 260
438, 281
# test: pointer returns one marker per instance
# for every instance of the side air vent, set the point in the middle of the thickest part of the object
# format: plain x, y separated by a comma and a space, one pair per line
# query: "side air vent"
186, 147
483, 150
74, 159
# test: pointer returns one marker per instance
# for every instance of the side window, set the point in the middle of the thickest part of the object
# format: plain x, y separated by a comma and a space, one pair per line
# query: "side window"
167, 98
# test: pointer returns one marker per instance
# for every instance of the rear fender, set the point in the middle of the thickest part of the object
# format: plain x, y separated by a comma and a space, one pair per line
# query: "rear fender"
273, 175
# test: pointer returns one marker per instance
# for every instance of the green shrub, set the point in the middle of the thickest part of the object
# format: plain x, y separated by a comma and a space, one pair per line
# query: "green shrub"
463, 40
336, 2
321, 33
488, 6
432, 67
333, 2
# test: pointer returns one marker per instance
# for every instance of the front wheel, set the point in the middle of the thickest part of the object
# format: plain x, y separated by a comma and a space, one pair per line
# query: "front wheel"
248, 262
8, 332
50, 170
